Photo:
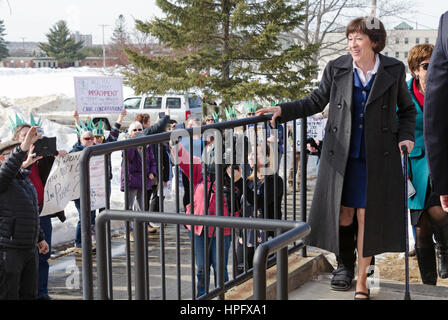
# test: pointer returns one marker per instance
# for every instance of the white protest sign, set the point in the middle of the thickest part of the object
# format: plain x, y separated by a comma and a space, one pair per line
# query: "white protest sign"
103, 95
315, 128
63, 183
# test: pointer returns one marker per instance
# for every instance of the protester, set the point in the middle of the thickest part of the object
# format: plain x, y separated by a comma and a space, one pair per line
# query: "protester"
198, 232
382, 121
19, 222
85, 139
39, 172
135, 170
425, 207
436, 131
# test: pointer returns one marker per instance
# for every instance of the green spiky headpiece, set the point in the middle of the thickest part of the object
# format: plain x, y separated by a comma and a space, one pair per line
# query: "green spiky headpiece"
230, 113
98, 129
20, 121
85, 127
215, 116
251, 107
274, 103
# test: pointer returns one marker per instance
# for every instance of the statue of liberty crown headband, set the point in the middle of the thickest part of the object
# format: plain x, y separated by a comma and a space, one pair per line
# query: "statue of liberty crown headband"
20, 121
230, 113
96, 130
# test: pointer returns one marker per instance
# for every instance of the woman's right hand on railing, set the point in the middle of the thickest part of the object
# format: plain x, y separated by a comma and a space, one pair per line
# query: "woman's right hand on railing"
276, 110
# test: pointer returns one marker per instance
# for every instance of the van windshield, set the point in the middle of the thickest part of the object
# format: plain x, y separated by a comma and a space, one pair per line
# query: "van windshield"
194, 102
132, 103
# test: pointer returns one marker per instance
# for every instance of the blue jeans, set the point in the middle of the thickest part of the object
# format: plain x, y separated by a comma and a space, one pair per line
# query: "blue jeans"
78, 226
200, 260
47, 228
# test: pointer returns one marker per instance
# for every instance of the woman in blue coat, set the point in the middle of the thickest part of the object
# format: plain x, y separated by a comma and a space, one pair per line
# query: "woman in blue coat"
426, 210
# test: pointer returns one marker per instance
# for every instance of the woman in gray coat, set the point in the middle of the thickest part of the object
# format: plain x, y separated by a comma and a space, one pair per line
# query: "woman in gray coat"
359, 197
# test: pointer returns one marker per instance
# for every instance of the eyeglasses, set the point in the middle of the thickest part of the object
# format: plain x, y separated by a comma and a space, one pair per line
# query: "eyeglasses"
137, 129
425, 65
88, 138
99, 137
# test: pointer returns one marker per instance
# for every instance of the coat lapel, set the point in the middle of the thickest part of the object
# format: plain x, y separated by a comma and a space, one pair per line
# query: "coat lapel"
343, 79
383, 80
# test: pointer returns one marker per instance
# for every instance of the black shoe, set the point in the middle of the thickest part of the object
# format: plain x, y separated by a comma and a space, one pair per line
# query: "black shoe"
441, 237
345, 272
426, 258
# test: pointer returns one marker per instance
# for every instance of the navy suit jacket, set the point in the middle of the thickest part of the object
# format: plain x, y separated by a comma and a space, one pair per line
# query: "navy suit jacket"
436, 111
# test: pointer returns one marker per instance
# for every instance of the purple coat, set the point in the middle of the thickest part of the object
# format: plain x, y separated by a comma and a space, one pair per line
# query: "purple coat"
135, 168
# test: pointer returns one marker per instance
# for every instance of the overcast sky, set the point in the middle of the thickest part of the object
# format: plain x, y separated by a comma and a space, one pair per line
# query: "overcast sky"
31, 20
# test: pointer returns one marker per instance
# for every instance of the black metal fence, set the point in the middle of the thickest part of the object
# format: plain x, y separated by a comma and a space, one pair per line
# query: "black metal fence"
287, 233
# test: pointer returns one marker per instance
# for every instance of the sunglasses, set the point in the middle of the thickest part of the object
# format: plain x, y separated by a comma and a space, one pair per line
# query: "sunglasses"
89, 138
137, 129
425, 66
99, 137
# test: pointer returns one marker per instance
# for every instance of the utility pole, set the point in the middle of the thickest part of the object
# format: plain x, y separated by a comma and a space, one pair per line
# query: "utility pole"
23, 43
104, 47
373, 9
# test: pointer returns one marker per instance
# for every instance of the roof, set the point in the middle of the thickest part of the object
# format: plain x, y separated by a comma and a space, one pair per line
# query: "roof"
403, 26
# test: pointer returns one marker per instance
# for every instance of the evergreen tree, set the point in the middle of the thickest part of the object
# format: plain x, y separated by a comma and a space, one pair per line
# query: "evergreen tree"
3, 49
62, 45
120, 39
230, 49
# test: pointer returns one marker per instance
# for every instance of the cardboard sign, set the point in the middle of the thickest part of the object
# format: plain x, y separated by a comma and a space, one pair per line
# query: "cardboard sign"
63, 183
99, 95
315, 128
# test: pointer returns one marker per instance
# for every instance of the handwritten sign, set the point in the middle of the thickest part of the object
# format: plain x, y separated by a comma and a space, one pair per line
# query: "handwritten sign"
63, 183
315, 128
102, 95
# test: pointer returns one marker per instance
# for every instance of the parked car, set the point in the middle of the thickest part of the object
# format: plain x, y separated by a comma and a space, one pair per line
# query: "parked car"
181, 107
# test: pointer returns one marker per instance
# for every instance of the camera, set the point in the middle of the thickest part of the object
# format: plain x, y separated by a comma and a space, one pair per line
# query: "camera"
45, 147
40, 131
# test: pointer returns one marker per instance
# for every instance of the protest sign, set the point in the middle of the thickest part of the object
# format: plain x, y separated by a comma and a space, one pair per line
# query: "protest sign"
62, 184
315, 128
100, 95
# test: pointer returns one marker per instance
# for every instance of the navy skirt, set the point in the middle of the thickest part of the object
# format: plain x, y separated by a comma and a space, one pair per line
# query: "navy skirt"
355, 183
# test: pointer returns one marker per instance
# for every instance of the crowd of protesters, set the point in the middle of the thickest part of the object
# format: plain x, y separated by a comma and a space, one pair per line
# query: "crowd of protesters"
358, 203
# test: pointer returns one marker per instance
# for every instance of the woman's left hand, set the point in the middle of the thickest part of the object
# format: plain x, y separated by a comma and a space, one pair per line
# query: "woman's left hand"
409, 145
151, 176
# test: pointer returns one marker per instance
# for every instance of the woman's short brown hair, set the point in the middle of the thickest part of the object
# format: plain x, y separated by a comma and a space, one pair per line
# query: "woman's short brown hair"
418, 54
143, 118
372, 27
16, 132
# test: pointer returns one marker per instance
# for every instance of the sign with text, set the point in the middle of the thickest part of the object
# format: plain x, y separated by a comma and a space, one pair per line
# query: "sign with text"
103, 95
63, 183
315, 128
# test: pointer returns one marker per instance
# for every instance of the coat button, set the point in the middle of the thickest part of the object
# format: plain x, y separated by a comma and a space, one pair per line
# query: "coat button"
331, 152
335, 129
384, 107
339, 106
386, 153
385, 129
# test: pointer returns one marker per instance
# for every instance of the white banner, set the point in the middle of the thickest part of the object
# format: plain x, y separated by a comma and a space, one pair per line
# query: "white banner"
103, 95
63, 183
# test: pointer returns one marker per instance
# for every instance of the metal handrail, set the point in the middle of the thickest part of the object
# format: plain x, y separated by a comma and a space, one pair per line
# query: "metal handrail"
294, 231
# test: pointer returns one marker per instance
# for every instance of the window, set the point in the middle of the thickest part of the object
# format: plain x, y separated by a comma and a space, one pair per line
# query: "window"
132, 103
417, 40
397, 54
397, 40
153, 103
194, 102
406, 54
386, 53
426, 40
173, 103
406, 40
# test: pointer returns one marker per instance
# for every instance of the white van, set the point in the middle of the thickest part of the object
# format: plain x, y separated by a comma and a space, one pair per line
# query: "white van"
181, 107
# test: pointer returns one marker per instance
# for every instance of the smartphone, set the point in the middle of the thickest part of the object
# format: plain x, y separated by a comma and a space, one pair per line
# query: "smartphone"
40, 131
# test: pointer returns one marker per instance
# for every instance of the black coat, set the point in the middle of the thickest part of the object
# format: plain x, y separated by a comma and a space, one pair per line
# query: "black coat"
436, 111
389, 119
19, 212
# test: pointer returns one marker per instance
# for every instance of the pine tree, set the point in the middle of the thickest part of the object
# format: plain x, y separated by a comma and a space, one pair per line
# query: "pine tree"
229, 49
61, 44
3, 49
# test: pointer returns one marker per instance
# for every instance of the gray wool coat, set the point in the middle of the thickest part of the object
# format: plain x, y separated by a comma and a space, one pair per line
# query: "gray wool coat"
389, 118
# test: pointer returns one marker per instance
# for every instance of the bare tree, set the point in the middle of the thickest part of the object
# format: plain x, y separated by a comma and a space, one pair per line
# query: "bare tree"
325, 17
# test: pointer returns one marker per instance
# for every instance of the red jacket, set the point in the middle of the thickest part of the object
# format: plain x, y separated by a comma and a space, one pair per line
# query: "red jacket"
198, 190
